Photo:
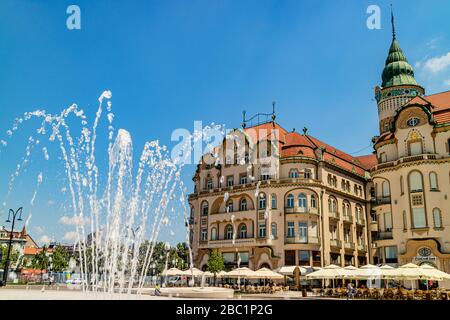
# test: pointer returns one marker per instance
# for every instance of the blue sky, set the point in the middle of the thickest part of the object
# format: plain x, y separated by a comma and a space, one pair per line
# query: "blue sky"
169, 63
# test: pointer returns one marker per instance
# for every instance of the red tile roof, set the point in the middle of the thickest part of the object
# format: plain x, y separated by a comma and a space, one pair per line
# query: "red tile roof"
440, 105
295, 144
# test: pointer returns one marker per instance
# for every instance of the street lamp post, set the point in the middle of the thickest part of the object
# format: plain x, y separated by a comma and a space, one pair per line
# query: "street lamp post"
14, 215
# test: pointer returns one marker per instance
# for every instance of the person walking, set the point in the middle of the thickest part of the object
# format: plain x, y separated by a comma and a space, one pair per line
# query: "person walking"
350, 291
157, 290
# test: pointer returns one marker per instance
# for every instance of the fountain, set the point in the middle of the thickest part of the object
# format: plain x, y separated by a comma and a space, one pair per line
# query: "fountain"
118, 207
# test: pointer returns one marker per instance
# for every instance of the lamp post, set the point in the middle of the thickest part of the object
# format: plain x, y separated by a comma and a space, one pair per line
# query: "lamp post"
12, 214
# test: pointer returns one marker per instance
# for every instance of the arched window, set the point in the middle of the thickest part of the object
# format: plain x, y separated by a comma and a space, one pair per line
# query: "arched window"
230, 206
243, 204
313, 201
293, 173
229, 232
437, 218
273, 228
332, 205
262, 201
290, 201
386, 189
358, 213
302, 200
346, 208
213, 234
308, 174
415, 181
242, 231
433, 181
274, 200
205, 208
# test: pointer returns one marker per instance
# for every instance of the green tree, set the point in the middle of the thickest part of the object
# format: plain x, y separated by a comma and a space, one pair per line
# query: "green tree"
14, 255
41, 261
215, 263
60, 259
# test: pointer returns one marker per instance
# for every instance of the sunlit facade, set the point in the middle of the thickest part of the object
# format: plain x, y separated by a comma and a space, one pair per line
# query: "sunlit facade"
320, 205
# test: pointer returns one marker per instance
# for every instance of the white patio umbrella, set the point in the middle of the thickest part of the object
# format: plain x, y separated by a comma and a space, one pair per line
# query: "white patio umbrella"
329, 272
366, 272
289, 270
265, 273
172, 272
242, 272
208, 274
193, 272
221, 274
350, 272
434, 274
411, 271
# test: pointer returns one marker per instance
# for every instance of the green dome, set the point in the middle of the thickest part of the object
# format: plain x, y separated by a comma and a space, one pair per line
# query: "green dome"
397, 70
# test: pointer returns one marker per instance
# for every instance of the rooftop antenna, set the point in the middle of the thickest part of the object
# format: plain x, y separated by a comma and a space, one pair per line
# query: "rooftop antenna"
393, 25
273, 111
243, 119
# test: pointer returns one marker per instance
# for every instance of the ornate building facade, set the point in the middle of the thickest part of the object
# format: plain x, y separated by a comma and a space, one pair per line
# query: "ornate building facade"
411, 181
304, 202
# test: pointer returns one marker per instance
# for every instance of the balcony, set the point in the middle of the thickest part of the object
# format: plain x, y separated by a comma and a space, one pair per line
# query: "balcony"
347, 218
362, 247
379, 201
228, 243
383, 235
334, 215
313, 240
288, 240
384, 165
226, 216
349, 245
301, 210
335, 243
360, 221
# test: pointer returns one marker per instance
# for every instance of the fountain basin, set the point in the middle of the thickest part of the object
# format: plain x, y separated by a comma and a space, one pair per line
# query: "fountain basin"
198, 292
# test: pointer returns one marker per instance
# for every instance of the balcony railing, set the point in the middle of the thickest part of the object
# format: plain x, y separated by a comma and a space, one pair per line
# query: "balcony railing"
362, 247
347, 218
296, 240
426, 156
360, 221
335, 243
228, 242
301, 210
334, 215
313, 240
349, 245
383, 235
378, 201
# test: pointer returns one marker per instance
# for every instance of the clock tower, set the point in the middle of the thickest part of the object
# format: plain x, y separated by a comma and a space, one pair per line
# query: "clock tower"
398, 85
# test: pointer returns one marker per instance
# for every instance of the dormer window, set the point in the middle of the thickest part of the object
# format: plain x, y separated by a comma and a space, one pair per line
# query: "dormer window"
412, 122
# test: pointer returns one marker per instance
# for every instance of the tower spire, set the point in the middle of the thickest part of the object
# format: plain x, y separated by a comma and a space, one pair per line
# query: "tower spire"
393, 25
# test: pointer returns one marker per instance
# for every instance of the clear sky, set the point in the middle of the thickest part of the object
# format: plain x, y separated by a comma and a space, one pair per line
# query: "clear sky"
169, 63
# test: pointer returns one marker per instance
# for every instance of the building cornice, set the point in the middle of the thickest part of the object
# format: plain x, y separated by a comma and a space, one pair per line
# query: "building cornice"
409, 164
